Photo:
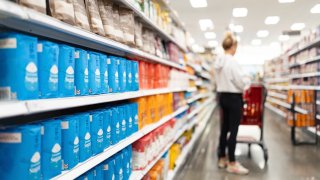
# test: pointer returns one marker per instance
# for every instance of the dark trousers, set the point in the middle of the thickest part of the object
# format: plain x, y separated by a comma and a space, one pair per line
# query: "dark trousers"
231, 105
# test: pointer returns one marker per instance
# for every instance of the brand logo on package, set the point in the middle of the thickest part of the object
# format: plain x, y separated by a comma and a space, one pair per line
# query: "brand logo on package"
10, 137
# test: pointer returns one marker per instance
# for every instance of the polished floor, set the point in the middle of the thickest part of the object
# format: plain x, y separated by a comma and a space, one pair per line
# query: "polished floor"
286, 162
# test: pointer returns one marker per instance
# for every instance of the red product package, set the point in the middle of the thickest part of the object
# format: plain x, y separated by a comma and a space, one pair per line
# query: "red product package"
151, 76
140, 153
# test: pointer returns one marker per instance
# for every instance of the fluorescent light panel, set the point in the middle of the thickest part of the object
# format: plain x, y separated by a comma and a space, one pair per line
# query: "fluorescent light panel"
286, 1
210, 35
297, 26
256, 42
213, 43
262, 33
198, 3
240, 12
238, 28
206, 24
272, 20
284, 38
315, 9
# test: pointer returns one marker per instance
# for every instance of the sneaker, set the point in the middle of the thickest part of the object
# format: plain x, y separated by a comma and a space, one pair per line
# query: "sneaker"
222, 163
237, 168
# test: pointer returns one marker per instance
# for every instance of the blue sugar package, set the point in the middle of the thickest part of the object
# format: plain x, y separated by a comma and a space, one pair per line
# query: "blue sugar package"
108, 168
48, 58
122, 74
97, 172
129, 75
20, 152
104, 74
126, 164
135, 73
123, 123
119, 165
87, 176
51, 164
18, 67
97, 133
107, 117
70, 141
94, 73
84, 136
129, 150
66, 71
129, 119
81, 76
113, 74
115, 124
134, 115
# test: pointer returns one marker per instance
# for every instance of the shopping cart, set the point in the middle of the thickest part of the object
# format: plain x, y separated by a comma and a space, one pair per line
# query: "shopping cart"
253, 110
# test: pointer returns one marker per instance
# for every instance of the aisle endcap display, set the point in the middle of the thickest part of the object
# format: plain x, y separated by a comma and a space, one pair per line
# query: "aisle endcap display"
44, 105
95, 160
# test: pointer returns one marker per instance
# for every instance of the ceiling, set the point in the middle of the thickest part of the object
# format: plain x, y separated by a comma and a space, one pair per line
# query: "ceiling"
220, 12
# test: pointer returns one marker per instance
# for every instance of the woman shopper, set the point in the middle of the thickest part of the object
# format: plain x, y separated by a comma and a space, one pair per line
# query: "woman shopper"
231, 83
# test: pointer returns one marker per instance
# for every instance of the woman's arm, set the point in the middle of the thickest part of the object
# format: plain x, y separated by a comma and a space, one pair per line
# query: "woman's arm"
239, 78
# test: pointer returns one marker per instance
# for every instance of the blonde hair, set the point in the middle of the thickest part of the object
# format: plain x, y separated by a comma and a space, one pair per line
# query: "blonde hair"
229, 41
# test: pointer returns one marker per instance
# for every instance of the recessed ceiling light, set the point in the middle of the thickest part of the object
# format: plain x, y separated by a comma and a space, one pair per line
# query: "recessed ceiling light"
238, 28
238, 38
284, 38
256, 42
198, 3
240, 12
275, 45
213, 43
263, 33
191, 41
210, 35
315, 9
231, 26
297, 26
206, 24
272, 20
286, 1
198, 49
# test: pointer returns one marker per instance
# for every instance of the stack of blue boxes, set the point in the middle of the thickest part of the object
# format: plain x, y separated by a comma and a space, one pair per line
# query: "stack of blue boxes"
35, 68
43, 150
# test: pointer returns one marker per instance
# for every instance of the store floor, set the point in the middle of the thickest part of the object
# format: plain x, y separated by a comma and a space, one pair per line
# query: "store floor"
285, 161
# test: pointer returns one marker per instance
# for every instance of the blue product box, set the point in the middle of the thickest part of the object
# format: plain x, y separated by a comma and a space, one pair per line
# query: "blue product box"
135, 73
123, 122
107, 118
126, 163
129, 75
97, 133
66, 71
94, 73
113, 74
81, 72
51, 164
122, 75
48, 58
115, 130
87, 176
109, 168
134, 115
129, 118
20, 152
129, 150
85, 136
104, 74
119, 166
70, 141
18, 66
98, 173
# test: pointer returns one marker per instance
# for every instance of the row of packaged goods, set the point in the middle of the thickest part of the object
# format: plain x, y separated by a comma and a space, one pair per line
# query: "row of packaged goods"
304, 55
45, 148
36, 68
307, 39
304, 99
108, 19
160, 170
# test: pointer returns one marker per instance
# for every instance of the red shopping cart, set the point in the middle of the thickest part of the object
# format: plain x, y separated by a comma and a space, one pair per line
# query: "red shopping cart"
253, 110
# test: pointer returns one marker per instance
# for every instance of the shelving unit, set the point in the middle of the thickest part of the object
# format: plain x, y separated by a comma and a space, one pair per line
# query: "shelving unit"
278, 95
310, 60
278, 111
312, 44
296, 76
198, 96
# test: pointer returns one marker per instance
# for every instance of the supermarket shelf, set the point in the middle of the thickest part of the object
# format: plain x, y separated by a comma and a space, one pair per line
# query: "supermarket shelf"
152, 24
205, 75
196, 120
304, 75
174, 14
278, 87
199, 83
303, 87
192, 89
276, 110
44, 105
277, 95
198, 96
300, 110
94, 161
313, 130
192, 77
310, 45
278, 102
186, 150
27, 20
206, 67
199, 108
276, 80
317, 58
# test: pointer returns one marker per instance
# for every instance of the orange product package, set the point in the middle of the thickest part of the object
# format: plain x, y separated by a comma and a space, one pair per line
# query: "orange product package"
151, 73
156, 105
142, 111
160, 105
151, 110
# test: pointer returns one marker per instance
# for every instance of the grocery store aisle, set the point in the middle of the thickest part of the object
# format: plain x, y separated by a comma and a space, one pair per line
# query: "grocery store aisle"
285, 160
